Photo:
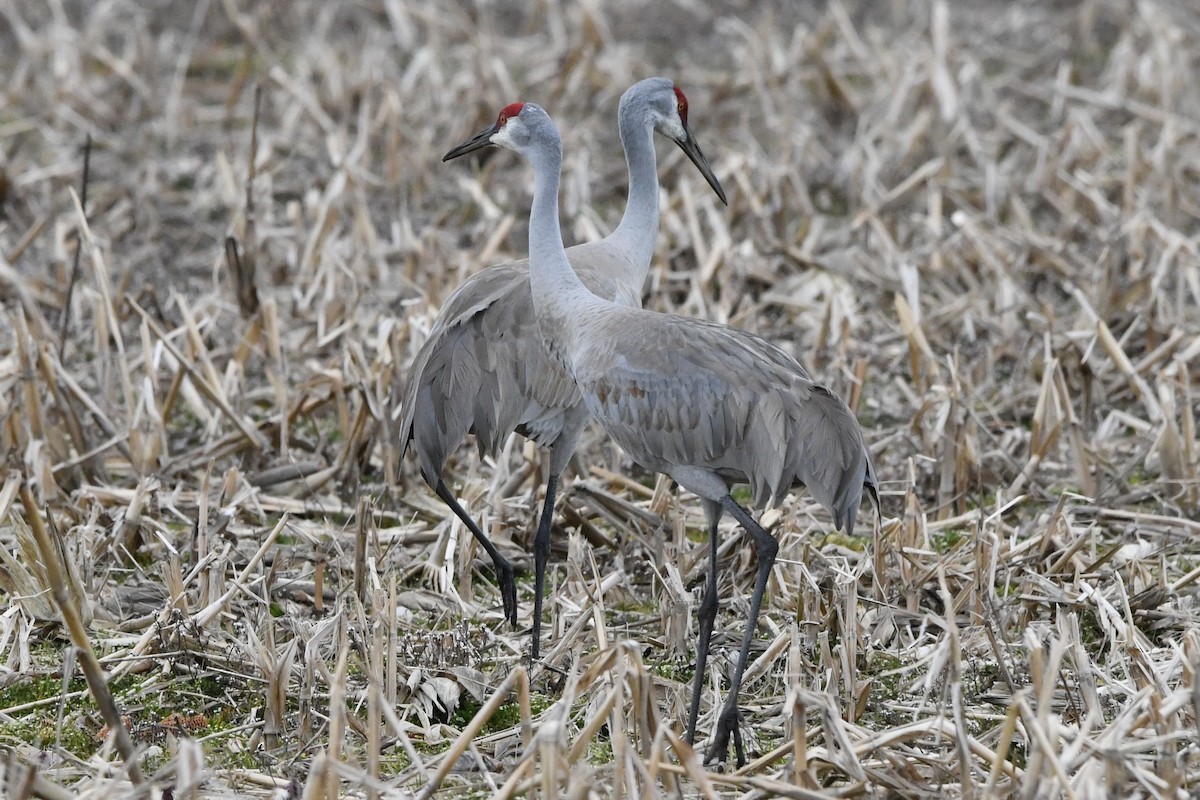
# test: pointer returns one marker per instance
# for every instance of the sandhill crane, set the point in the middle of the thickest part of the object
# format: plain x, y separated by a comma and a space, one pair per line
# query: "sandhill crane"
707, 404
483, 368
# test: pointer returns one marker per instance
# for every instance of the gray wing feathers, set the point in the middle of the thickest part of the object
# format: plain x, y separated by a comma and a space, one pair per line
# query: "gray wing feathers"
451, 384
454, 386
728, 401
484, 369
826, 453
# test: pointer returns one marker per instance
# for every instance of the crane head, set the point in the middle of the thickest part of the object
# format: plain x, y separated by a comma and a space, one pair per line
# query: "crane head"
688, 144
487, 136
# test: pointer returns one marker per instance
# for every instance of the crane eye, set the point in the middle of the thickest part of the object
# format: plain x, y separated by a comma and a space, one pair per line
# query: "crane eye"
508, 112
681, 105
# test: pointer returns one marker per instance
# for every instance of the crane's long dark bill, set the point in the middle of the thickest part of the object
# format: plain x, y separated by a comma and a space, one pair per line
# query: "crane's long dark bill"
477, 142
693, 151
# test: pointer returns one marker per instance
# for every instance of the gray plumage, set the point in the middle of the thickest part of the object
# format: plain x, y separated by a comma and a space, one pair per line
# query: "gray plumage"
682, 392
706, 404
483, 368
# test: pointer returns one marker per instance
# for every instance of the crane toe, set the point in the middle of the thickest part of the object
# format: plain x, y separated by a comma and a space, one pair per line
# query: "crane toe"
507, 583
728, 724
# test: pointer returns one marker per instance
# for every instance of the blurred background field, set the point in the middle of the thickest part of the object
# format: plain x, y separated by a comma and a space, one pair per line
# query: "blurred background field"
978, 222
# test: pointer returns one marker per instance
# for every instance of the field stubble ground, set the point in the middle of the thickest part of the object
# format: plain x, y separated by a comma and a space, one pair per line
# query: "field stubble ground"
977, 222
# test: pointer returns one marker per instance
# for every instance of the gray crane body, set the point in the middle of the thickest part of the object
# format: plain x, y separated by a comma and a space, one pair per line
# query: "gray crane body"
714, 406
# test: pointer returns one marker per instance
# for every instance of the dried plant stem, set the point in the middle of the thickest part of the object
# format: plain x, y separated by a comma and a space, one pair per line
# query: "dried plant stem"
64, 324
92, 672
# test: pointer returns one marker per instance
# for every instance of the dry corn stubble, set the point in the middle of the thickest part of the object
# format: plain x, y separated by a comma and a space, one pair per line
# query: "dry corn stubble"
976, 220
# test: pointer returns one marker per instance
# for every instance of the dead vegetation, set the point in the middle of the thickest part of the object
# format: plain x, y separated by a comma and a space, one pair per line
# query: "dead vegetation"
977, 221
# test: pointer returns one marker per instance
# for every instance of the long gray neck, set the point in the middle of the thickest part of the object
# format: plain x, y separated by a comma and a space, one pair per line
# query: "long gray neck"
639, 225
558, 294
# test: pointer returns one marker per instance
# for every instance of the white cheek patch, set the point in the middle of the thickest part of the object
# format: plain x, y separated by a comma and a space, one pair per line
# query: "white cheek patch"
502, 137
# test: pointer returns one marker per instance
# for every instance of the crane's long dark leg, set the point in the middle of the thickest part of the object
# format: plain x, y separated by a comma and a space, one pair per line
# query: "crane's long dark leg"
504, 570
541, 555
707, 615
560, 453
767, 548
